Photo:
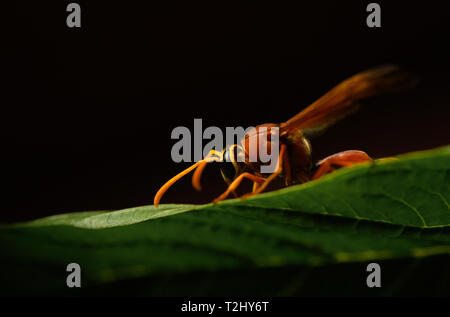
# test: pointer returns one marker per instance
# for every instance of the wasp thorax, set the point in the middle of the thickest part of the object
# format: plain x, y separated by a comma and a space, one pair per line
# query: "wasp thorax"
261, 143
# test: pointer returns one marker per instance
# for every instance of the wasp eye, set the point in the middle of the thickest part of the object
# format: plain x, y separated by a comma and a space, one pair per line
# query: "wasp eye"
232, 153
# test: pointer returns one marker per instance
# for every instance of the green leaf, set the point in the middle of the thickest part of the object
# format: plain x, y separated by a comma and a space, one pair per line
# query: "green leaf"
382, 211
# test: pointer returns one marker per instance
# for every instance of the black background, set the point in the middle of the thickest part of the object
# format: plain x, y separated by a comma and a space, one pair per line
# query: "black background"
87, 113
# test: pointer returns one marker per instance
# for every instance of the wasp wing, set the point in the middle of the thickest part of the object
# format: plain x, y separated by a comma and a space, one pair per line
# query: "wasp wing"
343, 99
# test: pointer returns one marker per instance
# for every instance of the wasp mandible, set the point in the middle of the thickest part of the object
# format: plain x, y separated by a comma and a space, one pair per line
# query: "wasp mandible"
294, 164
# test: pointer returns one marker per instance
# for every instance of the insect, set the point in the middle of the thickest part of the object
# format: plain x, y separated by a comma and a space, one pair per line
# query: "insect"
294, 164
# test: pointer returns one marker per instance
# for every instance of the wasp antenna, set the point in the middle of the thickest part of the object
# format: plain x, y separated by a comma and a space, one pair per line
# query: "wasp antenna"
197, 175
171, 181
213, 156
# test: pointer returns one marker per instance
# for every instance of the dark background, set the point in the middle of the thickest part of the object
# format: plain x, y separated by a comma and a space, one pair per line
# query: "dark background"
87, 113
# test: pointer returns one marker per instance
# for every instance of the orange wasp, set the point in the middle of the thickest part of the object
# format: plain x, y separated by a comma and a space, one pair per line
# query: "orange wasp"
294, 164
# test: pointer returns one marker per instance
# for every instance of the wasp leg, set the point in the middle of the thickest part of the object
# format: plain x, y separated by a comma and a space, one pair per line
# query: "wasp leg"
341, 159
234, 184
272, 176
255, 186
287, 170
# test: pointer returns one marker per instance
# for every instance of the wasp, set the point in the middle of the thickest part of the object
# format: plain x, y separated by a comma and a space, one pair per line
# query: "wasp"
294, 164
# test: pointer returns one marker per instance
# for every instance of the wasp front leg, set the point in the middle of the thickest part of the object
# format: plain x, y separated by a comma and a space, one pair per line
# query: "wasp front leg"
338, 160
282, 163
232, 187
